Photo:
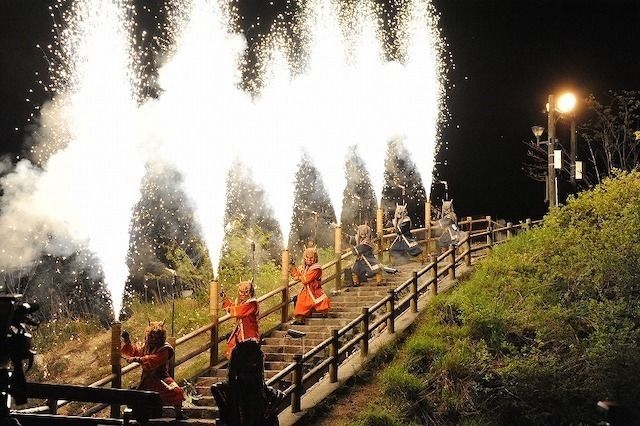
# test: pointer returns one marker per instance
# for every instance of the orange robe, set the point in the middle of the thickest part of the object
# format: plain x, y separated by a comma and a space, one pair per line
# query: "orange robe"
155, 376
311, 297
246, 314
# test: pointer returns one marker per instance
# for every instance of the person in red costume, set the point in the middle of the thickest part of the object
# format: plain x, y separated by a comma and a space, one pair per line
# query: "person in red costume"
245, 310
153, 357
311, 297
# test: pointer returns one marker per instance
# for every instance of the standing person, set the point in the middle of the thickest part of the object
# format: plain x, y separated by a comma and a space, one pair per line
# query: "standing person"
365, 264
311, 297
245, 311
153, 356
404, 244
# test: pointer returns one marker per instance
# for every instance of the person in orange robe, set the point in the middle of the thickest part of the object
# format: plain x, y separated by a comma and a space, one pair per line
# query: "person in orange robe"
245, 310
311, 297
153, 357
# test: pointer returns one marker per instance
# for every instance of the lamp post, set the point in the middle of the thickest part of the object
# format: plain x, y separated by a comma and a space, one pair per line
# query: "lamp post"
551, 171
537, 132
564, 104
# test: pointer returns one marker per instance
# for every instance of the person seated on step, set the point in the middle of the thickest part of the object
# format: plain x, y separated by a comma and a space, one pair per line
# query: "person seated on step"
404, 245
153, 356
245, 310
244, 399
365, 264
311, 298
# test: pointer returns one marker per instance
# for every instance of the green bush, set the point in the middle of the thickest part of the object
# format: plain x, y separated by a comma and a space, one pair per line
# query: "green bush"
376, 416
546, 326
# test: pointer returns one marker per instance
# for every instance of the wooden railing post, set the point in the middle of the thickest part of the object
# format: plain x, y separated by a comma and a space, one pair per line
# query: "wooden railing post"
528, 223
338, 252
296, 394
414, 293
116, 368
391, 307
452, 260
284, 280
380, 232
490, 236
433, 287
509, 230
364, 329
333, 354
427, 226
172, 361
214, 303
470, 222
468, 256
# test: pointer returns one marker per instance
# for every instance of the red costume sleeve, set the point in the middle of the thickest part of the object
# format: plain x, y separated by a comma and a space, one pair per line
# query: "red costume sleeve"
157, 359
310, 276
243, 310
226, 304
130, 350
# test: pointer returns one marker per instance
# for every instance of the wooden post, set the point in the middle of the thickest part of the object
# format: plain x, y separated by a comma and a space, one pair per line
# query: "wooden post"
414, 293
427, 226
452, 260
333, 354
391, 307
284, 277
296, 394
468, 257
172, 361
470, 222
380, 231
489, 228
509, 230
116, 368
490, 236
214, 312
364, 329
528, 224
338, 253
433, 288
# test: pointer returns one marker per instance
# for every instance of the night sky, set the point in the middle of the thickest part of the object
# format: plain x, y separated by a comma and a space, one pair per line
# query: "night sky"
508, 56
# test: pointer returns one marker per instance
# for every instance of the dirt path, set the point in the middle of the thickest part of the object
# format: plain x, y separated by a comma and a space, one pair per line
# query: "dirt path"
341, 408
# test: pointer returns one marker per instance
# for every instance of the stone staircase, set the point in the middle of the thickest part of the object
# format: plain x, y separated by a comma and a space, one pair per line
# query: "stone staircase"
279, 347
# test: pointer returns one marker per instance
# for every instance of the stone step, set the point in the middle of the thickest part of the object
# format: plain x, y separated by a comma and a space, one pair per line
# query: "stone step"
193, 412
309, 334
288, 349
206, 400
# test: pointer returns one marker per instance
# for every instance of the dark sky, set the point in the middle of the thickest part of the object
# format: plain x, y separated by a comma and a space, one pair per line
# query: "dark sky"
508, 55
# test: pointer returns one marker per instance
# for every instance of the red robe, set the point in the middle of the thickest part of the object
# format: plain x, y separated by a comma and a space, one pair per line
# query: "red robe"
311, 296
246, 314
155, 376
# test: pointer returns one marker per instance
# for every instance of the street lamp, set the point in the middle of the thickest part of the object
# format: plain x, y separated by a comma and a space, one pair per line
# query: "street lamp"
564, 104
537, 132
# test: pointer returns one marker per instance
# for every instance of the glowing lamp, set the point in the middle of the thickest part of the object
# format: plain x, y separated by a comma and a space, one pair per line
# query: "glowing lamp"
566, 103
537, 131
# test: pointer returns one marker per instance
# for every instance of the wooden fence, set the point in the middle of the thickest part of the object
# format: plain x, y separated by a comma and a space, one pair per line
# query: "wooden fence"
325, 358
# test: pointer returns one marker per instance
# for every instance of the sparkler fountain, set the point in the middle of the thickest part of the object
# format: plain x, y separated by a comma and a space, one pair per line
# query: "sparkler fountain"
344, 92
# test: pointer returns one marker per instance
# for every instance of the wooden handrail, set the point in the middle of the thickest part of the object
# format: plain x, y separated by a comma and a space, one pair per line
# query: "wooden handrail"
440, 265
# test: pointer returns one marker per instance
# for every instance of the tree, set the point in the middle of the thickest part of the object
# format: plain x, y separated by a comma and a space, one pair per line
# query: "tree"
608, 139
358, 200
312, 210
402, 184
252, 234
609, 132
162, 225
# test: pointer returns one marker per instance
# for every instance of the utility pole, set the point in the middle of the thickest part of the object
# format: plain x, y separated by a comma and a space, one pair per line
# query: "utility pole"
574, 148
551, 171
